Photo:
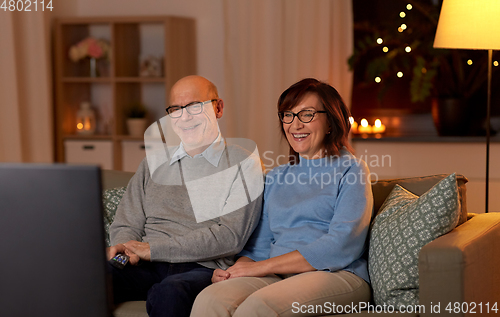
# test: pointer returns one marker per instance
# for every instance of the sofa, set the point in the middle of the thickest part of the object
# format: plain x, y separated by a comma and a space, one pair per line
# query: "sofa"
460, 268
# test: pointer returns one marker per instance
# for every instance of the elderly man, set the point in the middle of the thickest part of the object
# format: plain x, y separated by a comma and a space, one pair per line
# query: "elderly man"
174, 238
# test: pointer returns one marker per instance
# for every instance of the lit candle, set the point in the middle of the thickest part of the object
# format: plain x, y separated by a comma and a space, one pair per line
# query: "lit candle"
85, 119
364, 127
354, 125
378, 127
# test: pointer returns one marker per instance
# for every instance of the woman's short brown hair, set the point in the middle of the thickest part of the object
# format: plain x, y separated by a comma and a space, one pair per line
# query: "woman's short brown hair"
336, 111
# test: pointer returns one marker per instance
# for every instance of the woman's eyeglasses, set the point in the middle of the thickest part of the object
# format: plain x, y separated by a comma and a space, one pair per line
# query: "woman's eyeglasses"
304, 116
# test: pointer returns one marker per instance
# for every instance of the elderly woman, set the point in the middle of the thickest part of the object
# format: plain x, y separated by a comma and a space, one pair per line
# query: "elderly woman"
306, 254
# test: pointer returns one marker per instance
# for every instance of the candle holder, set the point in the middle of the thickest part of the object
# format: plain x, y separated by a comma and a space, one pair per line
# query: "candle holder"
85, 119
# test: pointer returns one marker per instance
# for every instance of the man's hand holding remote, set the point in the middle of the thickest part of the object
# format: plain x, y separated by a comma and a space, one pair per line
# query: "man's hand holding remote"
121, 248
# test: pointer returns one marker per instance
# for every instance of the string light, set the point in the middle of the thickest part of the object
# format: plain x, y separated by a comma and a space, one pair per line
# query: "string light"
385, 49
378, 123
469, 62
403, 26
378, 79
408, 49
400, 74
409, 6
380, 41
364, 122
402, 14
495, 63
400, 29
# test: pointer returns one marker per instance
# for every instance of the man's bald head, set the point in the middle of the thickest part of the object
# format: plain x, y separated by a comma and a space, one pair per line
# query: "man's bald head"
195, 86
196, 130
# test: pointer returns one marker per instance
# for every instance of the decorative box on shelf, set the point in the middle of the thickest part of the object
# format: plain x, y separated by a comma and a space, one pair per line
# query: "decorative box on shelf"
89, 152
133, 152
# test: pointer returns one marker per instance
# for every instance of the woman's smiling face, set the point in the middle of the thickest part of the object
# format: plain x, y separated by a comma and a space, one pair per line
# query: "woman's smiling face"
307, 139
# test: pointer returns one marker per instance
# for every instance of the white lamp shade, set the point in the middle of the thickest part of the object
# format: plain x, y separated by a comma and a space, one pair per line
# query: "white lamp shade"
469, 24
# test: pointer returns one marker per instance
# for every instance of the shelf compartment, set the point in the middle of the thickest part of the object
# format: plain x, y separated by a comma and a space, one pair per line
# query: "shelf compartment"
136, 42
71, 34
127, 49
72, 95
126, 95
100, 97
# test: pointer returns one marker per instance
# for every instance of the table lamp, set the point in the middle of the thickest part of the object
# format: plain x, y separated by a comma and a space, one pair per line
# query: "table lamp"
466, 24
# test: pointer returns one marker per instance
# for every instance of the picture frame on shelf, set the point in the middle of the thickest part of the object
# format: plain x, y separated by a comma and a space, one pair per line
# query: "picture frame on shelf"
151, 66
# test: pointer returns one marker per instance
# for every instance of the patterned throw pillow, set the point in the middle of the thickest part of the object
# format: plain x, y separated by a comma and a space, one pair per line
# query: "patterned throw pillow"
110, 200
405, 224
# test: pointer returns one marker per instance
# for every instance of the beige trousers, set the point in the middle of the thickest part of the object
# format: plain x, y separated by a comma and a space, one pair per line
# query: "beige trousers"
298, 295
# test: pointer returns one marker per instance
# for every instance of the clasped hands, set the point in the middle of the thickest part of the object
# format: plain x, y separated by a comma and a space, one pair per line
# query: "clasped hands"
134, 249
240, 269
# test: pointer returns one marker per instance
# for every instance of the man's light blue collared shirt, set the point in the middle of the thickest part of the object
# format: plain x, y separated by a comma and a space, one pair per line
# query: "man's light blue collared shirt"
212, 154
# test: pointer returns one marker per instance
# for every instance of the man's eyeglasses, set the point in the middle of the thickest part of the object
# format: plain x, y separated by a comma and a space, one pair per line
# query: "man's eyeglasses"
304, 116
192, 108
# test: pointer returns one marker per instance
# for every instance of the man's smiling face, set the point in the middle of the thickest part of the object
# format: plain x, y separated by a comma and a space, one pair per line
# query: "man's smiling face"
197, 131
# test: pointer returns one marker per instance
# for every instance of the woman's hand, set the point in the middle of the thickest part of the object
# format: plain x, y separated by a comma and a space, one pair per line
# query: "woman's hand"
246, 268
220, 275
288, 263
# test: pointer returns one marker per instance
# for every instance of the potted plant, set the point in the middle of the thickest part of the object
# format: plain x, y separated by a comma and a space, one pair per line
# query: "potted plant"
444, 77
136, 119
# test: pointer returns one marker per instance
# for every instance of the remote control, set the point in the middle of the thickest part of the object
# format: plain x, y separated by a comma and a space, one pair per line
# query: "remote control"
119, 260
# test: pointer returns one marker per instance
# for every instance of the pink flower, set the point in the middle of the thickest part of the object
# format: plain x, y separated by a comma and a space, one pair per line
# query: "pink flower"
89, 47
94, 49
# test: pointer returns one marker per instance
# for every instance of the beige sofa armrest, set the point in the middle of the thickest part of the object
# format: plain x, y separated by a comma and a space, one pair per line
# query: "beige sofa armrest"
462, 266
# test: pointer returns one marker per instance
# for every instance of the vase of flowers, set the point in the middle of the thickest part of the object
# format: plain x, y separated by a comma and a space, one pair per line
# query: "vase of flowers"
94, 50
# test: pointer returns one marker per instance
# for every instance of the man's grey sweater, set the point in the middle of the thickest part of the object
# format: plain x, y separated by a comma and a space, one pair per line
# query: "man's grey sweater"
162, 215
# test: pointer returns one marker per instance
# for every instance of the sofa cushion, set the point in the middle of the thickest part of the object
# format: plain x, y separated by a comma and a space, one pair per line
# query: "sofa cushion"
418, 186
110, 199
131, 309
404, 225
